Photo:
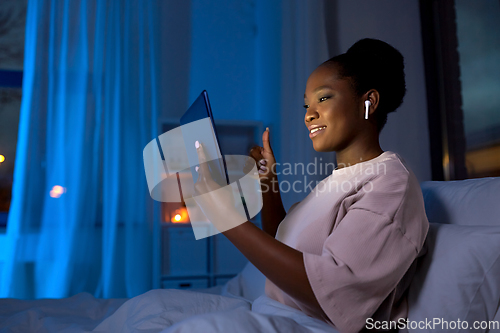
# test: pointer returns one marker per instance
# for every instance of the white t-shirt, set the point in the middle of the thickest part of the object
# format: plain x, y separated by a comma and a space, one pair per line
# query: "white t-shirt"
360, 231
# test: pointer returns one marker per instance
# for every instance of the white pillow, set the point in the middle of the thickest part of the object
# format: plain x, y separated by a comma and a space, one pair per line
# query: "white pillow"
463, 202
497, 318
458, 278
249, 284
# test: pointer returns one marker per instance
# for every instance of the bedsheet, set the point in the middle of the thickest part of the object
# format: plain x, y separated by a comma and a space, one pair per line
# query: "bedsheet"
79, 313
159, 310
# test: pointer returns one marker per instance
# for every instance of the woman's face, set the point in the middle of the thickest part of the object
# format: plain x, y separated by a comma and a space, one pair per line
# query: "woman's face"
334, 108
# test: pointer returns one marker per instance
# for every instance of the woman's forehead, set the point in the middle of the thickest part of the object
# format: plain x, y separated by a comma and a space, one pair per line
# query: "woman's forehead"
323, 77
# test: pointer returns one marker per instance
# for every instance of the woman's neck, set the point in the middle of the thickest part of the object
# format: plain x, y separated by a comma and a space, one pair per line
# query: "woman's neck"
357, 153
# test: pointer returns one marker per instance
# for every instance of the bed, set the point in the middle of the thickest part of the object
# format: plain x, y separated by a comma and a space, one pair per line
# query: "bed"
458, 278
237, 306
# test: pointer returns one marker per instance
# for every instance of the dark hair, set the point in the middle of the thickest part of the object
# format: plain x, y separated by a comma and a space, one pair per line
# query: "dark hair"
374, 64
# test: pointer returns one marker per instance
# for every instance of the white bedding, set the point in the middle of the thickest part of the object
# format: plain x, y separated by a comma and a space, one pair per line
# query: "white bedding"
79, 313
178, 311
160, 310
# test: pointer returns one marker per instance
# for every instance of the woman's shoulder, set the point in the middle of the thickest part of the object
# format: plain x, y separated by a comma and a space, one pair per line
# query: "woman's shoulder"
396, 193
387, 172
393, 173
387, 163
388, 187
392, 163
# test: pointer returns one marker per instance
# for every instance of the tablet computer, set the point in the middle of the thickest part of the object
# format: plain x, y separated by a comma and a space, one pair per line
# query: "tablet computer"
197, 124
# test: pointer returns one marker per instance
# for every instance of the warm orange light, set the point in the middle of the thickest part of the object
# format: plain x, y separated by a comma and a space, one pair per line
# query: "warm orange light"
57, 191
180, 216
2, 158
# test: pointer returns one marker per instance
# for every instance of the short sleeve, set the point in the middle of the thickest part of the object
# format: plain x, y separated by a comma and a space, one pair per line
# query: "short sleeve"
292, 207
362, 262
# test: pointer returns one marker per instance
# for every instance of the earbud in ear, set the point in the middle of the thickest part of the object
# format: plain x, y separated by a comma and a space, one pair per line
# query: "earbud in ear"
367, 108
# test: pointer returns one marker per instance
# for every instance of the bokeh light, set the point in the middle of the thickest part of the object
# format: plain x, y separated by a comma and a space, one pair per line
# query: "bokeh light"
57, 191
180, 216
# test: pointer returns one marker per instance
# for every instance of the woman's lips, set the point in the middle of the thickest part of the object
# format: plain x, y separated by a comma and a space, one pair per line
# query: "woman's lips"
312, 135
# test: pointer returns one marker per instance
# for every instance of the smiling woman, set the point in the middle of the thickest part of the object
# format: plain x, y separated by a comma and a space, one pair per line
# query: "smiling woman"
348, 86
346, 253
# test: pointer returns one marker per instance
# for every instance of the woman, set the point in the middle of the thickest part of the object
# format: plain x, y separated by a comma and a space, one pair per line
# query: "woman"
346, 252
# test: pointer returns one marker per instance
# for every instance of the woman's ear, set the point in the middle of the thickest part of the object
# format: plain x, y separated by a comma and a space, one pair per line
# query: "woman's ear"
373, 96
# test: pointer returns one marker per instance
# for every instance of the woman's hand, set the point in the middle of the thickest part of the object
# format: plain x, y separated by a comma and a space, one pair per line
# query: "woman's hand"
273, 211
216, 202
264, 157
205, 182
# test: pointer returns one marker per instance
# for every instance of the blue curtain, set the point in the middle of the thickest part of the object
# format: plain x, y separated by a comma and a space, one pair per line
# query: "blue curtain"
81, 218
303, 48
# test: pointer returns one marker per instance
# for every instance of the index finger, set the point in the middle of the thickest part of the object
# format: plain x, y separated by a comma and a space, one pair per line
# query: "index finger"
265, 141
202, 158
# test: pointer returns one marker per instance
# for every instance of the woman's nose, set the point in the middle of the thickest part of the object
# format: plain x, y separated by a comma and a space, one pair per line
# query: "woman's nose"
310, 116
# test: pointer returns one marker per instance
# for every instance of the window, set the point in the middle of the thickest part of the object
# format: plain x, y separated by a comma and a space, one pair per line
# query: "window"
12, 26
478, 29
462, 56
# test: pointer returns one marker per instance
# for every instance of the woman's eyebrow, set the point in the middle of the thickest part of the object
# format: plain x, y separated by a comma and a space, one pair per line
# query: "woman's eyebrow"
319, 88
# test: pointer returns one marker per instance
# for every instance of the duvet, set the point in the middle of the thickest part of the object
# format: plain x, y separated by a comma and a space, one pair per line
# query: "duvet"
160, 310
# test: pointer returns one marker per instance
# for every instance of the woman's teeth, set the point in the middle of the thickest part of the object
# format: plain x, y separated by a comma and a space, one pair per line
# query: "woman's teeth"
317, 129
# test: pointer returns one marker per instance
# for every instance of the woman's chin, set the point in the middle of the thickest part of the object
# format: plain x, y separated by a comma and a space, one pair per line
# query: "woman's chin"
321, 148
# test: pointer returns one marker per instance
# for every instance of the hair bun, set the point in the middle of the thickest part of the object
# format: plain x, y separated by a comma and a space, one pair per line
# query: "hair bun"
374, 64
374, 50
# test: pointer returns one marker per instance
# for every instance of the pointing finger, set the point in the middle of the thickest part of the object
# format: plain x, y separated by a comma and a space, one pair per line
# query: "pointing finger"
265, 141
202, 159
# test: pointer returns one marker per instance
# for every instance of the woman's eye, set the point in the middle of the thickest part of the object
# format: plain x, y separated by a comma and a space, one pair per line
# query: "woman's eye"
306, 106
322, 99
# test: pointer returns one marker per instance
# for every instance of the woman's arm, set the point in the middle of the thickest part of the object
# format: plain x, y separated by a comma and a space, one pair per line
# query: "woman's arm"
273, 211
280, 263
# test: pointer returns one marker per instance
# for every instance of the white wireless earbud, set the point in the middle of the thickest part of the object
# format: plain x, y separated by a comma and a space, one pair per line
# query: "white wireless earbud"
367, 108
